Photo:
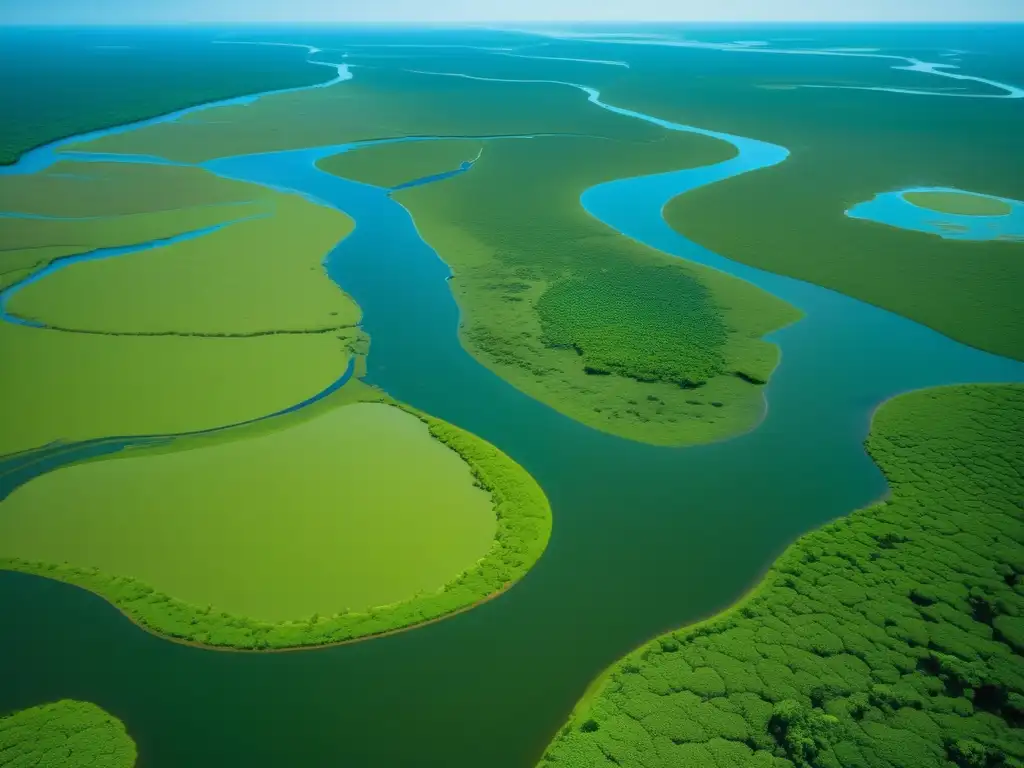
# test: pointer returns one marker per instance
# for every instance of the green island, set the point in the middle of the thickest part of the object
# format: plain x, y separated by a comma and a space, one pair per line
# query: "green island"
65, 734
392, 519
961, 203
187, 325
388, 165
612, 333
891, 638
70, 81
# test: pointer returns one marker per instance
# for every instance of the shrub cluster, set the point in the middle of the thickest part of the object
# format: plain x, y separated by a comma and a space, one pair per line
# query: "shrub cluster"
647, 322
65, 734
888, 639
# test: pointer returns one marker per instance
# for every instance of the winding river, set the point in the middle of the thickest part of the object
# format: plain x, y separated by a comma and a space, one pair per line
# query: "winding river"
645, 538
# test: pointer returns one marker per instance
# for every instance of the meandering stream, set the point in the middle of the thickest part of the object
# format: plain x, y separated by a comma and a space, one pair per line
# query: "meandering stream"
645, 538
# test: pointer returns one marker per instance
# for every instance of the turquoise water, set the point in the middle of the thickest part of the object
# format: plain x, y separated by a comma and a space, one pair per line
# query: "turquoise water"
645, 538
894, 209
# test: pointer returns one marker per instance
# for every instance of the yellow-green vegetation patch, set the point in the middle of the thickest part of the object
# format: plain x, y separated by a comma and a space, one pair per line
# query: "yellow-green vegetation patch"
616, 335
65, 734
889, 639
388, 165
377, 103
64, 387
109, 205
962, 203
262, 273
117, 189
359, 521
356, 508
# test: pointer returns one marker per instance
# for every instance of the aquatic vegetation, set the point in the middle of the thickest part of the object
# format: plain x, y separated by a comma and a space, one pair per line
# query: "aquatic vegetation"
388, 165
887, 638
962, 203
65, 734
523, 525
62, 82
612, 333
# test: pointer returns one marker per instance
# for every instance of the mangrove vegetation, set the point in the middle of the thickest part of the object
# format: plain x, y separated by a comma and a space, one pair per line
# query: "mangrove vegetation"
65, 734
888, 639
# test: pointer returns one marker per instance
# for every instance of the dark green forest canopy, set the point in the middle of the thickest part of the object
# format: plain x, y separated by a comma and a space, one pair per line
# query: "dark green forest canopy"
651, 323
65, 734
892, 638
57, 83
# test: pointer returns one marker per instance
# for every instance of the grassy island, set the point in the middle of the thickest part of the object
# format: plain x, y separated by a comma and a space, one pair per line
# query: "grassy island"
388, 165
354, 521
892, 638
616, 335
65, 734
960, 203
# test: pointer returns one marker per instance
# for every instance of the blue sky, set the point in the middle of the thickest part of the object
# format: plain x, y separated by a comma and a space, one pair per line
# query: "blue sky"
155, 11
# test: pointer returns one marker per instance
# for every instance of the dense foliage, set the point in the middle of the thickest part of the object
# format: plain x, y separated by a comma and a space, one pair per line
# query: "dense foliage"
64, 82
524, 525
65, 734
889, 639
652, 323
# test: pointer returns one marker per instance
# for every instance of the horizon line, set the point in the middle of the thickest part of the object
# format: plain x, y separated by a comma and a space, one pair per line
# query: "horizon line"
498, 22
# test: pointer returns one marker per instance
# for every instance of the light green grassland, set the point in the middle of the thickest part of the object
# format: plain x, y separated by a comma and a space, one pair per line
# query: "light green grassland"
65, 734
328, 551
377, 104
70, 387
388, 165
109, 205
888, 639
117, 189
211, 294
614, 334
257, 275
963, 203
356, 508
30, 244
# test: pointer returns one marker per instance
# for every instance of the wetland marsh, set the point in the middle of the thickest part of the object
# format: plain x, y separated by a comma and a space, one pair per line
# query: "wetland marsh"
645, 538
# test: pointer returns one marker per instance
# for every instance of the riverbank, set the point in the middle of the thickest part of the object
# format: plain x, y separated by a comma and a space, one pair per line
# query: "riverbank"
808, 667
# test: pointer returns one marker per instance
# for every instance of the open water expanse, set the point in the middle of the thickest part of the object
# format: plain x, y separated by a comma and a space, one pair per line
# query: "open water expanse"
645, 539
